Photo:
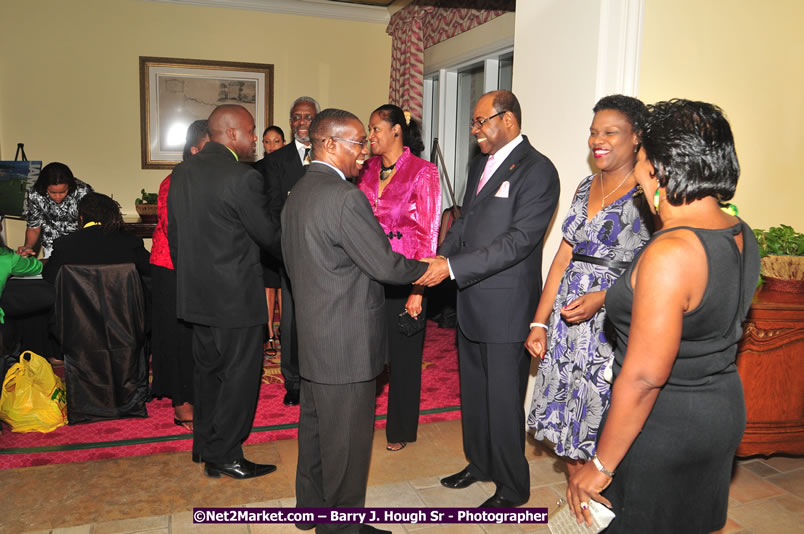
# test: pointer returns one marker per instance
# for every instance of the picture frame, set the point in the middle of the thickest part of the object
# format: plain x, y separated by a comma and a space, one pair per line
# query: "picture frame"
175, 92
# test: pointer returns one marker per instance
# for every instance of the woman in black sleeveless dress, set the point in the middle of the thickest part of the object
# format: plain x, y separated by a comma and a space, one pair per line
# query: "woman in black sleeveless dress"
677, 411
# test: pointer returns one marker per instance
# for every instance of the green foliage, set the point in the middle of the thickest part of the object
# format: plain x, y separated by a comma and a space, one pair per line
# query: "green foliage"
146, 198
780, 241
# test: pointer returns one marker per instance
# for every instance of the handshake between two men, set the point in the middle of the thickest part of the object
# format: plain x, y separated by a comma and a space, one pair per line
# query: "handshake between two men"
437, 271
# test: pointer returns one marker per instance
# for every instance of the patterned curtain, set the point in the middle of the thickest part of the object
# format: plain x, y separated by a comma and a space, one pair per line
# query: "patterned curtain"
416, 27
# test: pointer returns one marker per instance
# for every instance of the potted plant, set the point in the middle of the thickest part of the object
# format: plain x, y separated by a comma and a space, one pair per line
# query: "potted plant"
146, 207
782, 252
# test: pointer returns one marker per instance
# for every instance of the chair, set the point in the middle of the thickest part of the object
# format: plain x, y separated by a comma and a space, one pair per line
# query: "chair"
100, 321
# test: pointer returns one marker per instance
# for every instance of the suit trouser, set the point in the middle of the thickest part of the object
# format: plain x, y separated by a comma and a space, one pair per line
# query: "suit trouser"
405, 379
228, 368
289, 360
493, 383
336, 425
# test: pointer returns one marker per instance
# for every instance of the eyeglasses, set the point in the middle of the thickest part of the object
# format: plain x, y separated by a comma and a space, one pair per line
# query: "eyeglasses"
307, 117
364, 143
478, 123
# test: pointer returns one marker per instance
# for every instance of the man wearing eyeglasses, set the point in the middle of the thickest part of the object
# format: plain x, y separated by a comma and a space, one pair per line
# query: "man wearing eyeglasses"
494, 253
283, 168
338, 257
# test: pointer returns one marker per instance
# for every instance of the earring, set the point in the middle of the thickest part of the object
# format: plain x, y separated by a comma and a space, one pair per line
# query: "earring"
656, 199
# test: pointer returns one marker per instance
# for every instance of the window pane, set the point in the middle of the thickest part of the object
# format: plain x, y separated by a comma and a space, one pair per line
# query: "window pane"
470, 89
506, 72
434, 116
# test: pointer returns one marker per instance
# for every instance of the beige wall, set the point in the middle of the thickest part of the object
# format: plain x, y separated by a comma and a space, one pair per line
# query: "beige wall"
748, 58
69, 87
554, 80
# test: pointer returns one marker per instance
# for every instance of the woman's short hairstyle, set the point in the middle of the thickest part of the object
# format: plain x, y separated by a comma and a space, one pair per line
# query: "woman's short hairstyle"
97, 207
55, 174
691, 147
634, 110
195, 134
411, 133
277, 129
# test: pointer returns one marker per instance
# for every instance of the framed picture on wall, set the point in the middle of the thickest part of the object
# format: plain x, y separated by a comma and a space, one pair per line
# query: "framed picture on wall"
176, 92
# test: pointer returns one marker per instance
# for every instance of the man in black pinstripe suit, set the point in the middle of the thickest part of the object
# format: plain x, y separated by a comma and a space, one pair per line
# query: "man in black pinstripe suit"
337, 257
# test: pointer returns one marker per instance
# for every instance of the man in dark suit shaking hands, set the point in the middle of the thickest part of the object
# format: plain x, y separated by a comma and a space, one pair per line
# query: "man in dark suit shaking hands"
338, 257
494, 253
218, 218
281, 170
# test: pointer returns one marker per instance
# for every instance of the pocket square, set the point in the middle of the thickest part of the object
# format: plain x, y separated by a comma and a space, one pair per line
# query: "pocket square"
502, 192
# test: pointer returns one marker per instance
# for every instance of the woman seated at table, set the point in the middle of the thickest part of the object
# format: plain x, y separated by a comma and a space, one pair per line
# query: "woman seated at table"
677, 414
100, 241
25, 304
52, 207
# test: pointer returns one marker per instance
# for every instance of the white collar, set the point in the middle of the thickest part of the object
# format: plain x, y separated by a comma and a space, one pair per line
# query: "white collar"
340, 173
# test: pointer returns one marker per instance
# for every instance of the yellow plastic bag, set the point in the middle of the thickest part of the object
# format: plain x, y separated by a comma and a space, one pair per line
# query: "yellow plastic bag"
33, 397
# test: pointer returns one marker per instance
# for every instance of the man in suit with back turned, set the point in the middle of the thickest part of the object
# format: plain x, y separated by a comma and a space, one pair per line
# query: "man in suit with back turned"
494, 253
218, 219
338, 257
281, 170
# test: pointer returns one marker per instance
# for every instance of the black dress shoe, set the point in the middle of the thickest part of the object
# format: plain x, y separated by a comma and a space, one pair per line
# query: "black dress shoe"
496, 501
197, 458
239, 469
460, 480
291, 397
368, 529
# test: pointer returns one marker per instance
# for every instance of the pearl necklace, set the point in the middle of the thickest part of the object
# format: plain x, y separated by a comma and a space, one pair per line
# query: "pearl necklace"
603, 191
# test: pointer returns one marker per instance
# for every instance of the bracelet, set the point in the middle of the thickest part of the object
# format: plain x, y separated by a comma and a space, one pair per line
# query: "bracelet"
540, 325
599, 465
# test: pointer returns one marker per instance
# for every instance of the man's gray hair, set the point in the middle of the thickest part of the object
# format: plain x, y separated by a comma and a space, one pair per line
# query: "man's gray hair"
308, 99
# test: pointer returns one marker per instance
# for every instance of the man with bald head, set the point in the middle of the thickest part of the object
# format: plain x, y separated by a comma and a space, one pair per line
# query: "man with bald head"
218, 219
338, 257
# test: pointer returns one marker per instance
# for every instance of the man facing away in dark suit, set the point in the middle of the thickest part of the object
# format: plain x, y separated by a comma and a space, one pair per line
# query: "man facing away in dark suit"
218, 218
494, 253
281, 170
338, 257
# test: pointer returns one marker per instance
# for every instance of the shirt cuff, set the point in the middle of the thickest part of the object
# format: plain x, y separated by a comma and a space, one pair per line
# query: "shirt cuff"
451, 274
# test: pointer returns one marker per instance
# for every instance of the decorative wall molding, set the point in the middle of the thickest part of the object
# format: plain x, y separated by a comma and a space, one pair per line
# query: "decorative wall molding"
304, 8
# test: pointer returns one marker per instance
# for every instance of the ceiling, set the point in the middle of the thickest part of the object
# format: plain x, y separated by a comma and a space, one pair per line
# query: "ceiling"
360, 10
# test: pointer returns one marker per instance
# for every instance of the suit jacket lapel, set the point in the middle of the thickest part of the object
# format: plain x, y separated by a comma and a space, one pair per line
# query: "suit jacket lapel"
503, 172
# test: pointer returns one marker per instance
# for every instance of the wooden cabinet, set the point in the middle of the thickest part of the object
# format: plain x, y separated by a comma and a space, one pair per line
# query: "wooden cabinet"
771, 365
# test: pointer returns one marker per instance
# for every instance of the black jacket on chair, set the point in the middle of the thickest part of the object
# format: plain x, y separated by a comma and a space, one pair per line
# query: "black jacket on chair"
100, 321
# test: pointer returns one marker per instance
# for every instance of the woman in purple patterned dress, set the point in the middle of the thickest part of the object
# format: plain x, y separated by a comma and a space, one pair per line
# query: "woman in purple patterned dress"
607, 225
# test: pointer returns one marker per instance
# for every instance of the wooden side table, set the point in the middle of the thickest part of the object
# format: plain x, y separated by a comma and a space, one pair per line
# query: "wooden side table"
771, 365
142, 229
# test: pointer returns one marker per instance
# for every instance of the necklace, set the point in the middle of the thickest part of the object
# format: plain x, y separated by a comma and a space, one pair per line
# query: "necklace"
386, 172
603, 191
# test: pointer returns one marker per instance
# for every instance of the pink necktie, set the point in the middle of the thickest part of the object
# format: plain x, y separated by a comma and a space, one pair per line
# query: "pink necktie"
486, 174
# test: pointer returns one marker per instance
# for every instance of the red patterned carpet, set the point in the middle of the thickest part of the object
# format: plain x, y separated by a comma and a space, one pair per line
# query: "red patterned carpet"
155, 434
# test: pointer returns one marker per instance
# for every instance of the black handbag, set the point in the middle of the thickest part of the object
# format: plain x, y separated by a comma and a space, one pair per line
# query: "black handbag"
408, 325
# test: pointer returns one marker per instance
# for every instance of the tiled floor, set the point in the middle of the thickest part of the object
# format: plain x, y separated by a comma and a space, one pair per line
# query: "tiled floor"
155, 494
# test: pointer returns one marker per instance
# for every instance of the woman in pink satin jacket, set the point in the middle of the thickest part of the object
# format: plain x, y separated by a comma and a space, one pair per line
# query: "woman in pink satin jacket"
405, 194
